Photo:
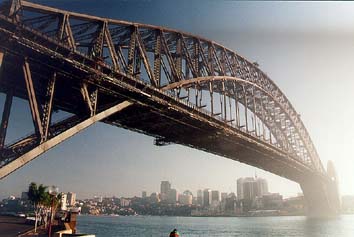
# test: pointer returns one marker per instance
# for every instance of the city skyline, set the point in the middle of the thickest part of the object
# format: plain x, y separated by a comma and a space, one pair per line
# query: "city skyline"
159, 190
295, 61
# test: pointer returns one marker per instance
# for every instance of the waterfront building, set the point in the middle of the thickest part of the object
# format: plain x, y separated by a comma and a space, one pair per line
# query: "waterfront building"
195, 201
154, 198
24, 196
295, 205
71, 198
63, 201
143, 194
215, 196
186, 198
270, 201
200, 197
262, 187
165, 187
12, 198
249, 188
206, 197
98, 198
172, 196
230, 203
125, 202
240, 188
223, 197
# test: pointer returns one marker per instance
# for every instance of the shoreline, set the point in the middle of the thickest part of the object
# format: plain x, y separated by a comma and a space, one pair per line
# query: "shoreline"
103, 215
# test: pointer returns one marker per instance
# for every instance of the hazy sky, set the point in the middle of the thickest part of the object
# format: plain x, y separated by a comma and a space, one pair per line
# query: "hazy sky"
306, 48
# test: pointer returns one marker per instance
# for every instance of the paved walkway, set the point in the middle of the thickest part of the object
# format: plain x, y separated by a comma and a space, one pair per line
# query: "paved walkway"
11, 226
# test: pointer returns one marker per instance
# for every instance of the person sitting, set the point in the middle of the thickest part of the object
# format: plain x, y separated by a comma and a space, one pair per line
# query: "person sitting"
174, 233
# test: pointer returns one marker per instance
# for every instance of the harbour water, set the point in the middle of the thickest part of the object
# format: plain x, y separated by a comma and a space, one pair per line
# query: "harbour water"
112, 226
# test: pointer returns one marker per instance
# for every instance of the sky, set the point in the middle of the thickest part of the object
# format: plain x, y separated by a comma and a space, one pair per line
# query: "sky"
305, 47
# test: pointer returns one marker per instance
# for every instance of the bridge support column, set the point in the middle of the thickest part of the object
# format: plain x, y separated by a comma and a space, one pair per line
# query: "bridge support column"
321, 195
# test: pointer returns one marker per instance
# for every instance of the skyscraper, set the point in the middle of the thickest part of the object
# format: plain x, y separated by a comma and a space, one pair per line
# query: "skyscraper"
262, 187
215, 196
249, 188
223, 196
165, 187
200, 197
186, 198
206, 197
172, 196
143, 194
240, 188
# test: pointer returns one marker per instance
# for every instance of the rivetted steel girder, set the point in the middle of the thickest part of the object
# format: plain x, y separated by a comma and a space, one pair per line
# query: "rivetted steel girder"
167, 59
30, 155
203, 82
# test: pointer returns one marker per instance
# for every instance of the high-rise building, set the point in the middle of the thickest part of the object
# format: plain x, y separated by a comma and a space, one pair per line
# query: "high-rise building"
154, 198
71, 198
143, 194
200, 197
165, 187
240, 188
249, 188
186, 198
172, 196
262, 187
63, 201
223, 196
215, 196
24, 195
206, 197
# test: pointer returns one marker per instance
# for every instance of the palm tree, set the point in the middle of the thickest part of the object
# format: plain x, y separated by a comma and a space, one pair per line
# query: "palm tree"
38, 196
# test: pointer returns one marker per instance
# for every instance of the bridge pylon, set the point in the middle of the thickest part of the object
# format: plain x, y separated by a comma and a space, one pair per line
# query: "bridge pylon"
322, 195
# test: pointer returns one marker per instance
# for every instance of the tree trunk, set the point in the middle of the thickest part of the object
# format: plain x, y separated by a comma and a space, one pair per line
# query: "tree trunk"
35, 222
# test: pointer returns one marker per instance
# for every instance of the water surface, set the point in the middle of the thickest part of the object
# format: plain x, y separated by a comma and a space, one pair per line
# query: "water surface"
106, 226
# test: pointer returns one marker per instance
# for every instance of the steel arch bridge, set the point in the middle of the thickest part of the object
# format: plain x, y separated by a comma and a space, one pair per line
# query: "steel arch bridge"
174, 86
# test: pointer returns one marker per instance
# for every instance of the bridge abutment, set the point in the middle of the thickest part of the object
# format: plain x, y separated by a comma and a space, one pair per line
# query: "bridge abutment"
322, 195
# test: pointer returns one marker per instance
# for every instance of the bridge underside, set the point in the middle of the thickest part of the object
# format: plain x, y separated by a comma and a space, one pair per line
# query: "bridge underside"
152, 113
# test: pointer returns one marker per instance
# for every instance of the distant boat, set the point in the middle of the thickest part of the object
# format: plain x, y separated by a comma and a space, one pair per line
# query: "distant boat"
113, 215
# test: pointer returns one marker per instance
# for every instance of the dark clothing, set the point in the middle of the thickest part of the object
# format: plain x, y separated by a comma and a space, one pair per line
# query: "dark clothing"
174, 233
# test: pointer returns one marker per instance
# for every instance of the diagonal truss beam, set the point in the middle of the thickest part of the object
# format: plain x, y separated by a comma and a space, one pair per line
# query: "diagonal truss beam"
145, 58
1, 63
65, 32
174, 71
32, 98
47, 108
110, 46
5, 118
32, 154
